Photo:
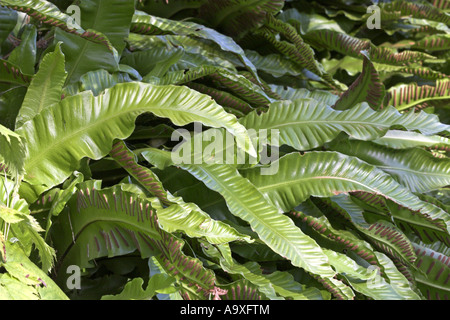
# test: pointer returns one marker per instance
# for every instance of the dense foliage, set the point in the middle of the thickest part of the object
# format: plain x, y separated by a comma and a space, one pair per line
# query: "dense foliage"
354, 117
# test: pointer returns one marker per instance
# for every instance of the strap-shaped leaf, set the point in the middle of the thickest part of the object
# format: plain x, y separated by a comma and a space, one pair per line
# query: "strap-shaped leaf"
197, 51
369, 281
306, 124
12, 151
8, 20
45, 88
289, 93
190, 219
133, 290
366, 88
230, 102
398, 139
275, 285
238, 18
48, 13
274, 64
396, 287
433, 43
324, 174
250, 271
236, 83
304, 53
24, 279
434, 272
276, 230
418, 10
24, 227
10, 73
428, 229
242, 290
351, 65
112, 19
416, 168
112, 222
348, 240
246, 202
85, 126
155, 62
392, 241
142, 174
407, 95
336, 287
341, 208
443, 5
352, 46
147, 24
24, 55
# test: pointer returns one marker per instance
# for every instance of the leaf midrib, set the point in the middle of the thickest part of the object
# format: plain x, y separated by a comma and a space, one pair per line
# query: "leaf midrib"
413, 171
299, 180
101, 219
103, 120
261, 222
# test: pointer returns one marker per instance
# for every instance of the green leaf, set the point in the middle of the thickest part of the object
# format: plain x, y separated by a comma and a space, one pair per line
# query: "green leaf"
8, 20
42, 10
236, 83
416, 169
193, 221
274, 285
154, 62
242, 290
45, 88
133, 290
230, 102
83, 56
112, 222
13, 289
24, 56
296, 48
427, 228
432, 279
25, 280
418, 10
405, 96
274, 64
396, 288
246, 202
111, 17
26, 229
347, 239
238, 18
48, 13
306, 124
143, 175
113, 20
366, 88
147, 24
85, 126
12, 151
337, 288
10, 73
352, 46
324, 174
398, 139
387, 238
